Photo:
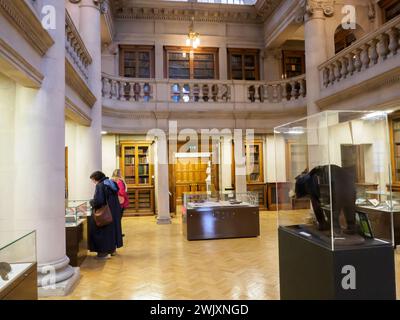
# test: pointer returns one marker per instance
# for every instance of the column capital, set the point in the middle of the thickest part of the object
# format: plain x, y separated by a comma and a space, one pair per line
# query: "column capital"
319, 8
102, 5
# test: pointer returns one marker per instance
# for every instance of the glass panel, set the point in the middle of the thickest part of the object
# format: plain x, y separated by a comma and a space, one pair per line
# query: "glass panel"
344, 213
204, 66
237, 66
396, 145
179, 65
143, 165
129, 165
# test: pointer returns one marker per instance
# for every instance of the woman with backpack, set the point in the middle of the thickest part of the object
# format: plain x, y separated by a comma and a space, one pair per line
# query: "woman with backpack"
107, 238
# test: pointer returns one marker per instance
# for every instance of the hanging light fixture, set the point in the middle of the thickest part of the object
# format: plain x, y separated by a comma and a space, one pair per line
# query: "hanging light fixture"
193, 38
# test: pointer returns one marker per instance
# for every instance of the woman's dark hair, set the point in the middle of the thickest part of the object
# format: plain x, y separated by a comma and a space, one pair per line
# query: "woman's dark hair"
97, 176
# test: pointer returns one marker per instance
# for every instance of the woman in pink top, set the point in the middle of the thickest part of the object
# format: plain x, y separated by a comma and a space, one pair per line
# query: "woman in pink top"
122, 193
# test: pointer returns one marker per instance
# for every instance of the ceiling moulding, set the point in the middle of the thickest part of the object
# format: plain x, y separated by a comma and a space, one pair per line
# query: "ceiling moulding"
202, 12
21, 16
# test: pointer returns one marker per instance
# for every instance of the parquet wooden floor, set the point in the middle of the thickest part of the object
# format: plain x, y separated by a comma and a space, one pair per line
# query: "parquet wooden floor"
157, 262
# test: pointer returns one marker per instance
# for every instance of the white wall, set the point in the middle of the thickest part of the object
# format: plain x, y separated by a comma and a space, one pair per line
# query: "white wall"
109, 154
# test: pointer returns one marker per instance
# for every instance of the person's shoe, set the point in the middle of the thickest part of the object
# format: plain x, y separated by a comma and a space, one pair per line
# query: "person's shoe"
102, 256
123, 235
113, 254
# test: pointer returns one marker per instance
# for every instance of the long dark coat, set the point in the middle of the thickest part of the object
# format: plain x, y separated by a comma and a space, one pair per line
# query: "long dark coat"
106, 239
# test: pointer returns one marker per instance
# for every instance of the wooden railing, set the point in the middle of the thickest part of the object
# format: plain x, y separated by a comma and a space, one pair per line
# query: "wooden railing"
370, 50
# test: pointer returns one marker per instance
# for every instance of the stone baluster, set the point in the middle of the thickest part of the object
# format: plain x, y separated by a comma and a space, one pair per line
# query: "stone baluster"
325, 76
294, 90
106, 88
365, 60
141, 96
357, 60
350, 67
383, 48
122, 90
373, 51
303, 88
393, 40
275, 93
332, 74
284, 91
113, 92
337, 69
131, 91
344, 71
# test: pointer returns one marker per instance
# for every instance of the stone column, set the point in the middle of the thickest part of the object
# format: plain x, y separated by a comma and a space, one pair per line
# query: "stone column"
226, 163
39, 181
223, 62
74, 12
162, 185
316, 48
159, 57
91, 159
240, 165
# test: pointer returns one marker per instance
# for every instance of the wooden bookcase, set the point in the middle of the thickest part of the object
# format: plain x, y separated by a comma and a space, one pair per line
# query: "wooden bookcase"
136, 61
390, 9
137, 170
188, 63
255, 170
294, 63
243, 64
394, 125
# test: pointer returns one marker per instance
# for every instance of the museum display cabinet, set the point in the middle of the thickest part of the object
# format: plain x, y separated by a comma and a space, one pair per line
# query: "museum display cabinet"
335, 237
76, 230
220, 215
18, 266
243, 64
255, 170
189, 63
137, 170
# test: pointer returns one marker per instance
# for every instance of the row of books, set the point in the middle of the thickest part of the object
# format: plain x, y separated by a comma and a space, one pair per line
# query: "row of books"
129, 160
204, 65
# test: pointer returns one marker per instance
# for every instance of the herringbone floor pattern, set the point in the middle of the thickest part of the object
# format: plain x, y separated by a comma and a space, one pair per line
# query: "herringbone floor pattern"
157, 262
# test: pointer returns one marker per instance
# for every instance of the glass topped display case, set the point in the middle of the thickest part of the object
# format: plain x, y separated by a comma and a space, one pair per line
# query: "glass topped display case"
17, 256
199, 200
76, 211
341, 150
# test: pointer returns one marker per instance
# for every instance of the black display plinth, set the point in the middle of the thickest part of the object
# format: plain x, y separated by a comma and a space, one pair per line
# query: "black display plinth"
309, 270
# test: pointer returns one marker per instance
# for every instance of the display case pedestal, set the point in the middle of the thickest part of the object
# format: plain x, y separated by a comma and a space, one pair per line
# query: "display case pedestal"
311, 271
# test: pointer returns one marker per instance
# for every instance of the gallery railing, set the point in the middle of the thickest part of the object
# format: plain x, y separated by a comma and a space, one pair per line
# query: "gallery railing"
370, 50
76, 49
202, 91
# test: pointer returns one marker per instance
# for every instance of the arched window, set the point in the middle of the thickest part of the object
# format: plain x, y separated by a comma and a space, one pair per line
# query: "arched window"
345, 37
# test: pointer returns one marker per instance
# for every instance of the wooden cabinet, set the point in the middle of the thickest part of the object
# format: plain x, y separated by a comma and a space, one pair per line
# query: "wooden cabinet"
137, 170
77, 242
23, 287
188, 63
294, 63
390, 9
136, 61
243, 64
255, 170
394, 125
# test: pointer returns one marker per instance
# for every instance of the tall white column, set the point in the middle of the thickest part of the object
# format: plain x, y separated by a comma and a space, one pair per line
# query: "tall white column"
240, 166
226, 163
316, 54
161, 165
7, 166
39, 182
74, 12
90, 149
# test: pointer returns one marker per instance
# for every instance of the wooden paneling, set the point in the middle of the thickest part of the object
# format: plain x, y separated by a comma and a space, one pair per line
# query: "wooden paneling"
390, 9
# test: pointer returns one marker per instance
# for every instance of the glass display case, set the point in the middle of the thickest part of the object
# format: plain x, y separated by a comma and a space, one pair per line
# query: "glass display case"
327, 173
220, 215
198, 200
76, 211
17, 262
